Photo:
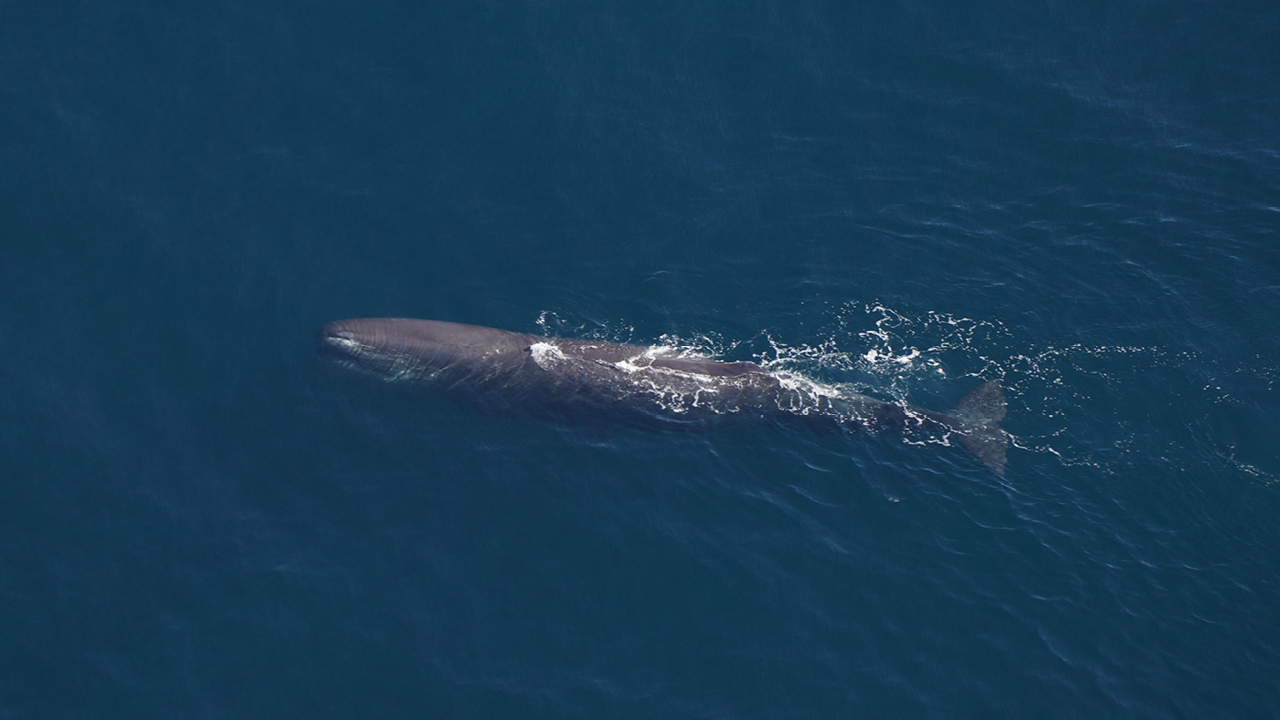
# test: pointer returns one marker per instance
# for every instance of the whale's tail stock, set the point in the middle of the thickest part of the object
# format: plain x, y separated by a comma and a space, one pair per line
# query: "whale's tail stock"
976, 422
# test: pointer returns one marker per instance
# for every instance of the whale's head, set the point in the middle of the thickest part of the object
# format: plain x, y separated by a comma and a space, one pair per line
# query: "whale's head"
399, 349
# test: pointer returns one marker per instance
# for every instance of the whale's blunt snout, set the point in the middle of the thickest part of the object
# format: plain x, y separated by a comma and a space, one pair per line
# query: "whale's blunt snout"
336, 332
336, 341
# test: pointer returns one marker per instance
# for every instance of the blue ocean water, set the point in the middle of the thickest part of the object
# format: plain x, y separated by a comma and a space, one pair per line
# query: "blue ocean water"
1080, 200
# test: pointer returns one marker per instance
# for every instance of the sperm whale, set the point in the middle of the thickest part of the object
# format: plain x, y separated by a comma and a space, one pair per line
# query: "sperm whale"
563, 378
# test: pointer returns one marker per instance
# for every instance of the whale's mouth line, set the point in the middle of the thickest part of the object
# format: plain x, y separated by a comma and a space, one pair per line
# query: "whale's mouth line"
345, 343
341, 344
342, 349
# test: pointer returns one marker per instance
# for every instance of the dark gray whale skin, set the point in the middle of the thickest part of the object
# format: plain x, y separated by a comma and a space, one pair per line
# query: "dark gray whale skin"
574, 379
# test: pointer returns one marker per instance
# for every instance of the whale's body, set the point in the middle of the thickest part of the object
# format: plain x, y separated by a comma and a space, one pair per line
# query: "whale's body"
579, 378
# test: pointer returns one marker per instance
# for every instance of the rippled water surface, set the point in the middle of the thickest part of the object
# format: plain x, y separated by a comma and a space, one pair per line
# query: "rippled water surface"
198, 519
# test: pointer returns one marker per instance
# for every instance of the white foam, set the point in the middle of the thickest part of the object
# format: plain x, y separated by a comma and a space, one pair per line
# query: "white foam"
546, 355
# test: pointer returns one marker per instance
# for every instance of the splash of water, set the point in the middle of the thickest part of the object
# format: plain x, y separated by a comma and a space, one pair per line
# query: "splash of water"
1066, 402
